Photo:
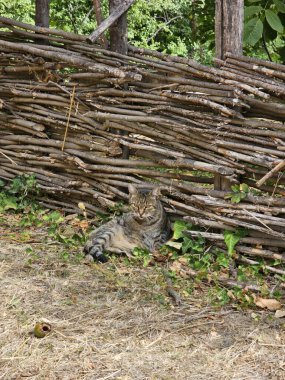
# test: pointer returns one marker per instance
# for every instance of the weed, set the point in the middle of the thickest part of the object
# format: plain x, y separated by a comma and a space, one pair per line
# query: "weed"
117, 209
233, 237
19, 197
20, 194
32, 255
239, 192
183, 252
214, 265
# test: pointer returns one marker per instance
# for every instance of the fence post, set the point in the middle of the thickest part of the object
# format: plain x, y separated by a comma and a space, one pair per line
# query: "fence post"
229, 27
118, 31
229, 16
42, 13
42, 17
119, 43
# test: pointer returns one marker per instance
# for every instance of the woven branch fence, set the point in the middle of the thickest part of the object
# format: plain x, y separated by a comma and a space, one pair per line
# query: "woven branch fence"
87, 122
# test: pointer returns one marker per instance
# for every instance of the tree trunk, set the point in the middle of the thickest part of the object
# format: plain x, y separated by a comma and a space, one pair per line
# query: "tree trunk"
42, 17
118, 31
42, 13
99, 18
229, 39
229, 27
119, 44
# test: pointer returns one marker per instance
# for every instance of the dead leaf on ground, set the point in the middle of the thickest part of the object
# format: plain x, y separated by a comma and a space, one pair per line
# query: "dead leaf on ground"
279, 313
267, 303
175, 266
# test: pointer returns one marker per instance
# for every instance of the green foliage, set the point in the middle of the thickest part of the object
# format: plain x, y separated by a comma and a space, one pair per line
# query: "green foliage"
214, 265
179, 227
192, 249
7, 202
24, 185
182, 240
233, 237
184, 28
253, 30
23, 10
239, 192
274, 21
157, 24
32, 256
73, 15
19, 194
117, 209
142, 255
264, 29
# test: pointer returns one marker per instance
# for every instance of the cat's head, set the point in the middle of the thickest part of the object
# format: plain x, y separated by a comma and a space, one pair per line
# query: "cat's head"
144, 204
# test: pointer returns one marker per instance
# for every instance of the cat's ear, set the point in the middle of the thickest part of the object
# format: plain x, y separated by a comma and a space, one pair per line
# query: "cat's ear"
156, 192
132, 189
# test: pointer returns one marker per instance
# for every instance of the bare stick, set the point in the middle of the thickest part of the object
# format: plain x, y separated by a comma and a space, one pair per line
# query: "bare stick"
110, 20
68, 117
99, 19
270, 173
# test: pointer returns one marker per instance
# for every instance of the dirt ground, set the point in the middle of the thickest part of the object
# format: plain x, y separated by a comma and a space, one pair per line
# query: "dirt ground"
116, 322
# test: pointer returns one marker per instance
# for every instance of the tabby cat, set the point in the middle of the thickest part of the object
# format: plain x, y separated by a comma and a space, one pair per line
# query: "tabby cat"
145, 226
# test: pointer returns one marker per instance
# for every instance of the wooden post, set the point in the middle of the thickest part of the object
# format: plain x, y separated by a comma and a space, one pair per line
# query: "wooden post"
42, 18
118, 31
42, 13
119, 43
229, 38
114, 16
229, 27
99, 18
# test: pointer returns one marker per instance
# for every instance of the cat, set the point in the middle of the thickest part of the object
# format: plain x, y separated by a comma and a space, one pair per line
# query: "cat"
146, 225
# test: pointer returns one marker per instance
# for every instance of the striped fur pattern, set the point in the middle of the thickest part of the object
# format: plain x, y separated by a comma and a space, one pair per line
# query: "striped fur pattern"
145, 226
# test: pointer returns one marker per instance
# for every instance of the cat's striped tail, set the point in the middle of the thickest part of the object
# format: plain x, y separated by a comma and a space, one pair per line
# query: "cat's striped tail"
94, 248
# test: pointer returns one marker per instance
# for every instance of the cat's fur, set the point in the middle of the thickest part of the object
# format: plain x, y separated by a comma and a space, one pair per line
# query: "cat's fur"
145, 226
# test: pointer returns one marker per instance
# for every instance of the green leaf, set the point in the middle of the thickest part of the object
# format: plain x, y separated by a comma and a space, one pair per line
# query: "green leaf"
274, 20
235, 188
146, 261
253, 1
253, 31
280, 6
10, 204
178, 228
236, 198
187, 244
252, 11
2, 183
244, 187
268, 32
223, 260
231, 238
231, 241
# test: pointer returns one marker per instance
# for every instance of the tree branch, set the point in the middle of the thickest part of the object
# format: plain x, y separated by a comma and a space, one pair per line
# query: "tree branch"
110, 20
99, 18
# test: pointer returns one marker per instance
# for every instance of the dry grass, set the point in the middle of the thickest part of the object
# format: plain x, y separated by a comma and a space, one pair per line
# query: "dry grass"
109, 322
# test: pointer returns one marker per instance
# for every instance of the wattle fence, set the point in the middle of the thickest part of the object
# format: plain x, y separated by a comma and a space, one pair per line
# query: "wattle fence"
87, 122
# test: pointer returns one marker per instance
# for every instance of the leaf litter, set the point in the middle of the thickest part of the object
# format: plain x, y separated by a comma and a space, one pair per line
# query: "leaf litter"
117, 322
